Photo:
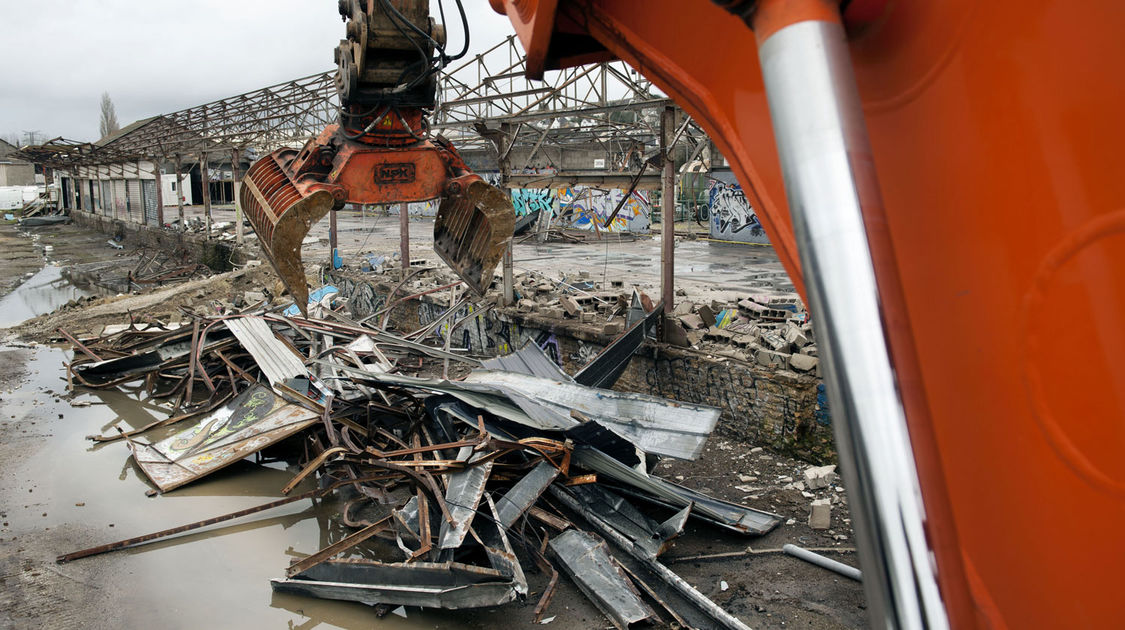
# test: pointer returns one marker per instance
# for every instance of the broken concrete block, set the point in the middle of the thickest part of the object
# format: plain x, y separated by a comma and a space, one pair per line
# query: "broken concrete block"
795, 336
707, 314
717, 334
691, 321
809, 350
775, 342
571, 305
675, 335
253, 297
695, 337
588, 317
803, 362
750, 306
819, 476
820, 514
683, 308
772, 359
613, 328
526, 306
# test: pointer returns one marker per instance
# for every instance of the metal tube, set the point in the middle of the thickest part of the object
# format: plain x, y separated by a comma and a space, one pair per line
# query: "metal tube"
333, 238
404, 237
667, 217
829, 176
826, 563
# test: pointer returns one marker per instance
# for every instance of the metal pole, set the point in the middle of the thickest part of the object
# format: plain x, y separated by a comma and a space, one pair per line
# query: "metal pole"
821, 561
159, 192
206, 191
505, 152
73, 190
667, 220
180, 191
404, 237
333, 240
238, 229
828, 167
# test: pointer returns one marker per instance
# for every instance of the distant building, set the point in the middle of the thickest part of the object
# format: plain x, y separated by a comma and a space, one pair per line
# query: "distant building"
14, 172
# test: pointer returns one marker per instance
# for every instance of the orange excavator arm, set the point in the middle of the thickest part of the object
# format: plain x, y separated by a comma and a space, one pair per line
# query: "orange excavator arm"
941, 181
381, 152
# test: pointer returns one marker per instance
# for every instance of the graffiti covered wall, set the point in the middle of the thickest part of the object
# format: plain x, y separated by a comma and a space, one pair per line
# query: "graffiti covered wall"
586, 208
732, 218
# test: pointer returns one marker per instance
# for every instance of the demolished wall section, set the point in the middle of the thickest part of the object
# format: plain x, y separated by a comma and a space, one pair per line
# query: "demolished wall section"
775, 408
218, 255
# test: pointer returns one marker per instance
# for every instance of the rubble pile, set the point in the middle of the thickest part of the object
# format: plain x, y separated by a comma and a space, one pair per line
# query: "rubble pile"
459, 491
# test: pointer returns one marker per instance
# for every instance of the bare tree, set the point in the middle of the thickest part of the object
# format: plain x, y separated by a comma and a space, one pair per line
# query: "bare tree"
109, 117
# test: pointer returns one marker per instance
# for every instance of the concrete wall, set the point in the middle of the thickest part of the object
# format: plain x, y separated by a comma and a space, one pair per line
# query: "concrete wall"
17, 174
218, 255
778, 409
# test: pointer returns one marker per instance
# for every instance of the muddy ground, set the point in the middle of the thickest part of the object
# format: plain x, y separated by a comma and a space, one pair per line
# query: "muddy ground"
60, 493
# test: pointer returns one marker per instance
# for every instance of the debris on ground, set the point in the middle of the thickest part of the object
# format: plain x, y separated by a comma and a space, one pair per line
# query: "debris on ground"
460, 477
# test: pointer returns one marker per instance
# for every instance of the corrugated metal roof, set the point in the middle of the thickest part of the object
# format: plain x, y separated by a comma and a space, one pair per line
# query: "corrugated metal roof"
278, 362
530, 359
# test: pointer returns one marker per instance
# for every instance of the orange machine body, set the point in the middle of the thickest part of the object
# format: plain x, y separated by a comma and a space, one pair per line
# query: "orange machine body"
997, 132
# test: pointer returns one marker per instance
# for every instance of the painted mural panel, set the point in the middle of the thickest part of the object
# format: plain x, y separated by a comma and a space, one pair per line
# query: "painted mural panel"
584, 208
580, 207
732, 218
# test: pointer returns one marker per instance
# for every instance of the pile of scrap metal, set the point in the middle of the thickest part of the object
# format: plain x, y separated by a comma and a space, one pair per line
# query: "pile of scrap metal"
454, 487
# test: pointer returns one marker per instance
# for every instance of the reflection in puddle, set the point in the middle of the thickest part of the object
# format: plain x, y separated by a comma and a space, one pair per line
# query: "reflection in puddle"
41, 293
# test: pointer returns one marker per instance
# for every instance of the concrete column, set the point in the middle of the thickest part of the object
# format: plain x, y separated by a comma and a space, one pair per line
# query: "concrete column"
206, 191
404, 237
180, 192
235, 175
159, 192
667, 214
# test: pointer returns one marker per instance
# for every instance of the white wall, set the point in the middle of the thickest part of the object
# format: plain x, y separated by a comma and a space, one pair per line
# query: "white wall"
170, 193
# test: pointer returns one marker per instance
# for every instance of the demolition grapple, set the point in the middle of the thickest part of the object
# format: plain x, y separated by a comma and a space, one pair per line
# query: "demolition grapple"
380, 152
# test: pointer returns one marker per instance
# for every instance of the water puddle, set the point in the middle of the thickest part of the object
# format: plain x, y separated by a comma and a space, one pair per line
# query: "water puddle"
62, 493
41, 293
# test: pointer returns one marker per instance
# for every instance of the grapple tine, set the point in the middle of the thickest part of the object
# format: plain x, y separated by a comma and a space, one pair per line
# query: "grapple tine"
472, 229
282, 216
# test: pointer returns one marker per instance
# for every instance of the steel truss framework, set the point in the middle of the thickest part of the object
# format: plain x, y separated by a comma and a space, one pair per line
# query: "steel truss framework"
603, 104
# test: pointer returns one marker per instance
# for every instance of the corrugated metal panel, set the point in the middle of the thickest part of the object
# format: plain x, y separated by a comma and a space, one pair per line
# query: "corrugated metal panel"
133, 199
148, 191
530, 359
276, 360
106, 199
119, 197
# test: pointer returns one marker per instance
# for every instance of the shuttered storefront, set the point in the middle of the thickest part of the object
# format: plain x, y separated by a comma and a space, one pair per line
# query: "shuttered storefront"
148, 191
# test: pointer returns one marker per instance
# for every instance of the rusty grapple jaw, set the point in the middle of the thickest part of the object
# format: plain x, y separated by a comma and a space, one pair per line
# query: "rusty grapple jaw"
472, 229
281, 217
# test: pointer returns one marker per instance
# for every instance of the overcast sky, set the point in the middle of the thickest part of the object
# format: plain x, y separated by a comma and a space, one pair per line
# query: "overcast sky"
160, 56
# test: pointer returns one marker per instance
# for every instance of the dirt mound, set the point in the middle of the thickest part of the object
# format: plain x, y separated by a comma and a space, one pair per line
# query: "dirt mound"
206, 295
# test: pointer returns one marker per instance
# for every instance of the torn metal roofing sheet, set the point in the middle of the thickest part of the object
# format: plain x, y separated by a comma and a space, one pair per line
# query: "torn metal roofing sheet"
463, 494
608, 365
530, 359
586, 559
278, 362
738, 518
656, 425
449, 585
650, 536
526, 491
252, 421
